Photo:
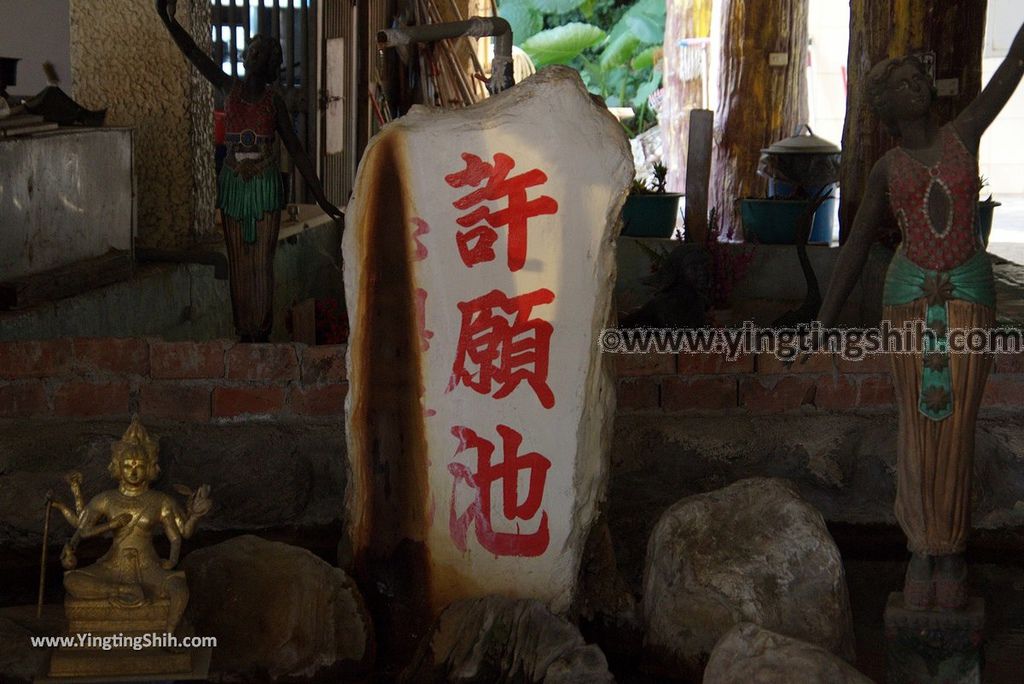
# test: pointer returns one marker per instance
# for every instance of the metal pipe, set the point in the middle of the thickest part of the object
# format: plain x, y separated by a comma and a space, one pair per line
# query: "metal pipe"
474, 27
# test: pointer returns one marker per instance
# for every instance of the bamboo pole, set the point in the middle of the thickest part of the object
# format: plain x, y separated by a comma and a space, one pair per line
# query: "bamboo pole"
42, 556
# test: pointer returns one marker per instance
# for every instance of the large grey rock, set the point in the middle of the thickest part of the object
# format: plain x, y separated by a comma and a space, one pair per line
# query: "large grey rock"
19, 662
276, 610
752, 552
498, 639
748, 653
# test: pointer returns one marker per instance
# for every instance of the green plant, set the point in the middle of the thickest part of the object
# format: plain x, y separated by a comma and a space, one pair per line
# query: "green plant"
657, 255
642, 187
616, 46
982, 184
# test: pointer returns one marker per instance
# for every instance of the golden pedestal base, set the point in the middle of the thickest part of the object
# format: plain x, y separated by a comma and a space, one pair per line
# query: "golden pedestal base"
94, 662
100, 617
116, 659
125, 665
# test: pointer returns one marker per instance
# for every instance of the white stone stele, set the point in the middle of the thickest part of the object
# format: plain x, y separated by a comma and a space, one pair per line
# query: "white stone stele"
548, 122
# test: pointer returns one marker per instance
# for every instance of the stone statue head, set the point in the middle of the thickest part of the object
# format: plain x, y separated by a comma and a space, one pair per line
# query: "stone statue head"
133, 459
900, 89
263, 53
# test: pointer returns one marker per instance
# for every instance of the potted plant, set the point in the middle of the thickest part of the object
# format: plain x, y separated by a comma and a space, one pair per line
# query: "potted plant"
986, 208
650, 211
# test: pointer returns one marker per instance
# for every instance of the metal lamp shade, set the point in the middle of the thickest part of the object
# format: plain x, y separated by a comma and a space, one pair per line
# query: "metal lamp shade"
805, 160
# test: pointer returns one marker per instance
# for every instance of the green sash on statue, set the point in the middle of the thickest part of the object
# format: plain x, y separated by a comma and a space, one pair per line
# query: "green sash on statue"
906, 282
247, 200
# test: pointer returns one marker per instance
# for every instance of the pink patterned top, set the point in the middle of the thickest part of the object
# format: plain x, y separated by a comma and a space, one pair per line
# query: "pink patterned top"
953, 182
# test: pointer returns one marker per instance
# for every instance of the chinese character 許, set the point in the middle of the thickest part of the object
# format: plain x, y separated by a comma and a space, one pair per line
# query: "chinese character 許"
475, 246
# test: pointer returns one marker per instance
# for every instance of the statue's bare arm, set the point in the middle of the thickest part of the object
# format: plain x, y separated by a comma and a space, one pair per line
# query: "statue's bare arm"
854, 253
213, 73
74, 479
95, 510
199, 504
68, 514
979, 115
170, 513
301, 159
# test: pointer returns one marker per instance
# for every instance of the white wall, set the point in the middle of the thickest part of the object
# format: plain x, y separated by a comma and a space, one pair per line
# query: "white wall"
829, 30
1002, 148
37, 31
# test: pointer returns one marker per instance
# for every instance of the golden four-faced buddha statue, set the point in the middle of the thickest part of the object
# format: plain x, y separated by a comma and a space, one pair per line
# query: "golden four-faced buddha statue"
130, 588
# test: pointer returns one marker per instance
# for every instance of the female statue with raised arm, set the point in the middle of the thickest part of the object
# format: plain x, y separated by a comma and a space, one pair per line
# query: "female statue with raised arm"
940, 275
250, 193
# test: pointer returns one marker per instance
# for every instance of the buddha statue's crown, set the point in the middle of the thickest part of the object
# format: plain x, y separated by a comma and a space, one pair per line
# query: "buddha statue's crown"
137, 437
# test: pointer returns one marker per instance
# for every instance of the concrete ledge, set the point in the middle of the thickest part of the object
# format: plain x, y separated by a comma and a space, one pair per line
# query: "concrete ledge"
185, 301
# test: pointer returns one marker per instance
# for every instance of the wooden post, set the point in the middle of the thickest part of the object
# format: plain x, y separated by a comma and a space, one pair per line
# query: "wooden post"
879, 29
762, 94
698, 167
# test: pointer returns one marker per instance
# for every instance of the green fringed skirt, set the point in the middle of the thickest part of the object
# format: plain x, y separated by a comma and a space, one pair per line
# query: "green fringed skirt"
247, 200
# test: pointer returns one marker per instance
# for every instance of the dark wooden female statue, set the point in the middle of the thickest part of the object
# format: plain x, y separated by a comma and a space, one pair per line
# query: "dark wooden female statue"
940, 275
250, 192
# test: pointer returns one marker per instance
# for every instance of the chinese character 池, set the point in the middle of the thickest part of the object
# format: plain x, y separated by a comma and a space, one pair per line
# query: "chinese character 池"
506, 472
493, 349
476, 245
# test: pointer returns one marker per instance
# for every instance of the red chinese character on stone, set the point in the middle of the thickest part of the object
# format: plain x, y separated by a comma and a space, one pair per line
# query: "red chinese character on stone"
494, 349
475, 246
419, 249
506, 472
421, 319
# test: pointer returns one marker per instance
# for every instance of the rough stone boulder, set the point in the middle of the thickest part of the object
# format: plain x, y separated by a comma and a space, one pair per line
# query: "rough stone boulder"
748, 653
261, 476
19, 662
751, 552
498, 639
276, 610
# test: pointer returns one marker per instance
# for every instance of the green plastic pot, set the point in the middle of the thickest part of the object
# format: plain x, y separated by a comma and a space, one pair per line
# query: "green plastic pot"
772, 221
650, 216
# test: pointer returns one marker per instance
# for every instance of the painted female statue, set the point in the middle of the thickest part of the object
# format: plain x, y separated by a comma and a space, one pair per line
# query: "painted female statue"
940, 275
250, 191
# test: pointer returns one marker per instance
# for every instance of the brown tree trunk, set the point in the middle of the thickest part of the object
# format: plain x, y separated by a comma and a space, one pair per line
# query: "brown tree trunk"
880, 29
684, 19
757, 103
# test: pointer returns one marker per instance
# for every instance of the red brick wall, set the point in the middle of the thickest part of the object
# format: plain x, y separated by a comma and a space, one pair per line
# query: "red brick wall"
226, 382
187, 381
708, 383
